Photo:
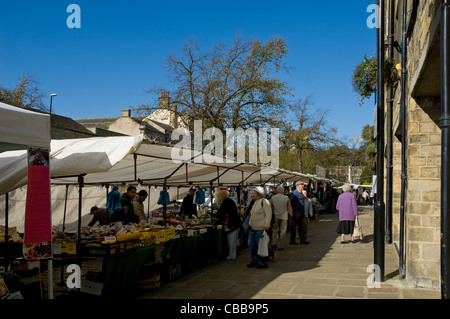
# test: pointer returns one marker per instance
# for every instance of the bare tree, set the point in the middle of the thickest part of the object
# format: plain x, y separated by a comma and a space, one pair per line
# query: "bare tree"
308, 133
25, 94
230, 86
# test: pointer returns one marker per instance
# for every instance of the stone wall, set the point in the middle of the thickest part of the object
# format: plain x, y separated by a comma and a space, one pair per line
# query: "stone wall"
423, 194
423, 145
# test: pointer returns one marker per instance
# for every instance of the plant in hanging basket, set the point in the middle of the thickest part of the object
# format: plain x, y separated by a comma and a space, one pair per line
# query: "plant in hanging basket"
365, 77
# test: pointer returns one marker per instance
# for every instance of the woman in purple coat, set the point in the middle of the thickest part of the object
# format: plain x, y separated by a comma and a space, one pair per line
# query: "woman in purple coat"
348, 212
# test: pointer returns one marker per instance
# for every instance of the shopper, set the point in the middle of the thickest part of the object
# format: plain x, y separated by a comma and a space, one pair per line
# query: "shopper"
188, 208
281, 207
101, 215
348, 213
260, 219
127, 205
138, 205
228, 214
298, 219
126, 213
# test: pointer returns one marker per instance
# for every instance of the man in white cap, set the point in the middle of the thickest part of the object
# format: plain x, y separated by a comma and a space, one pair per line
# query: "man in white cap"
299, 218
260, 219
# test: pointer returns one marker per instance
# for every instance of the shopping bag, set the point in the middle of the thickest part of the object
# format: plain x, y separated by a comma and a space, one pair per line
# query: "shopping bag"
263, 246
358, 232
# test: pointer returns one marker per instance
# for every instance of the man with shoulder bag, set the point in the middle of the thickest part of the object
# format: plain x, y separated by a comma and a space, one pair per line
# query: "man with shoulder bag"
299, 221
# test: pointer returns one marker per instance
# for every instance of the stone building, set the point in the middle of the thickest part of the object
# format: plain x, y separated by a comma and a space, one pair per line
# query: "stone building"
421, 240
349, 174
66, 128
157, 126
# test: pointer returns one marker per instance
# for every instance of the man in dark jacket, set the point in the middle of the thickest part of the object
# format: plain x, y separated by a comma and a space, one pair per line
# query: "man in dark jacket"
101, 215
128, 207
298, 218
188, 208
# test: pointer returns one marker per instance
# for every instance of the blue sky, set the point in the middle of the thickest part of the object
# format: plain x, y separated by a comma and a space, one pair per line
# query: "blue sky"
119, 51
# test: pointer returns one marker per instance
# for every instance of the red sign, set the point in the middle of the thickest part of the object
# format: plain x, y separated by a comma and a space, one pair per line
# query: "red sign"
38, 233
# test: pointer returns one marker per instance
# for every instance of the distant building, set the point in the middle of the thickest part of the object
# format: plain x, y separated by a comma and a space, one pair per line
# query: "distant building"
349, 174
157, 126
66, 128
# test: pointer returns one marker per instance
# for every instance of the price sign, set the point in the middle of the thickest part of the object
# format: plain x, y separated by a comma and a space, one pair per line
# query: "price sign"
110, 238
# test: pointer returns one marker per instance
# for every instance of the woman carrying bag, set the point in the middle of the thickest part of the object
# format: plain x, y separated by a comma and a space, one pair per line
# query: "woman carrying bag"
229, 215
348, 213
260, 219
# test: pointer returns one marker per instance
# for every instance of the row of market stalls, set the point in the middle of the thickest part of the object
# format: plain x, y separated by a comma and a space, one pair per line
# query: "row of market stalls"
82, 171
101, 163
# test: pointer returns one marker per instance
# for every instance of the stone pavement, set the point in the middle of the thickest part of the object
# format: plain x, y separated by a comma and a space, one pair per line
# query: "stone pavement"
324, 269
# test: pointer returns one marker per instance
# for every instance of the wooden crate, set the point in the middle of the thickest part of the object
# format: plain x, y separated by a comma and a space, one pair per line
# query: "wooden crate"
129, 245
159, 235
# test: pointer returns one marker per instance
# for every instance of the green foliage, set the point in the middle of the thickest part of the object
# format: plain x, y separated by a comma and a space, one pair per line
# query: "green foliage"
365, 77
366, 176
368, 132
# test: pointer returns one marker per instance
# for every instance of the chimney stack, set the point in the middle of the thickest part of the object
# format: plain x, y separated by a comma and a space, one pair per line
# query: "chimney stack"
126, 113
164, 103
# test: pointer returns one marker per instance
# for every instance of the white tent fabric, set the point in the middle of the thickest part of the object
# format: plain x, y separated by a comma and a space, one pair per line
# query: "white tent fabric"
24, 127
68, 157
119, 161
92, 196
152, 164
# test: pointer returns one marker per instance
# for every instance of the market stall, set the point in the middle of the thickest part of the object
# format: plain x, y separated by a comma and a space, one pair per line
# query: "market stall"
28, 132
100, 163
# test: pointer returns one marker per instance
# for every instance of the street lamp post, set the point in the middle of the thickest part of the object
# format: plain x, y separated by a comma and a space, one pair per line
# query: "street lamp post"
50, 261
51, 101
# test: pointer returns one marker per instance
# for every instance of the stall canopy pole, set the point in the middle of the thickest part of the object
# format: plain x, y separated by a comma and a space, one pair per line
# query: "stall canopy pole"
211, 194
135, 166
218, 176
164, 200
6, 227
65, 209
148, 202
80, 204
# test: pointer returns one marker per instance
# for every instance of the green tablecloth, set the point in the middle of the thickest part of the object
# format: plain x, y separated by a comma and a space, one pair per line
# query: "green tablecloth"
122, 271
205, 246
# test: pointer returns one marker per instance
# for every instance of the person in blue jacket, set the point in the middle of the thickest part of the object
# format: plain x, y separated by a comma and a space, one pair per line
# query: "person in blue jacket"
298, 218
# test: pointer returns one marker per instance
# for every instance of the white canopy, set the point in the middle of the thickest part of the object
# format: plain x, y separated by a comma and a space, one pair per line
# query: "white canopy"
68, 157
118, 160
23, 127
153, 164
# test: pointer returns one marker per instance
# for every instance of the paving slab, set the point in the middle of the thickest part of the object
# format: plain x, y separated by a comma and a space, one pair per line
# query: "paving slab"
324, 269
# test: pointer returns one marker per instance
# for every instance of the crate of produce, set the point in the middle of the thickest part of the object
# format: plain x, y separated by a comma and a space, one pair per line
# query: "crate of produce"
170, 233
69, 248
129, 245
102, 249
159, 235
148, 238
121, 247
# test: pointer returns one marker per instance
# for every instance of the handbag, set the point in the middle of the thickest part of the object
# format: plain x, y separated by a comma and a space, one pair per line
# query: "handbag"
358, 232
263, 246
